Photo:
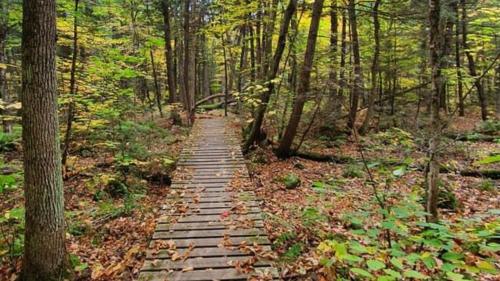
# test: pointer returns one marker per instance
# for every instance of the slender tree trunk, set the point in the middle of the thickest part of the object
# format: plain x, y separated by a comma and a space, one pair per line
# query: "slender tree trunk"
187, 60
156, 83
497, 91
168, 51
72, 89
435, 47
333, 99
458, 63
472, 65
374, 68
265, 97
343, 54
358, 86
226, 84
304, 83
4, 90
44, 248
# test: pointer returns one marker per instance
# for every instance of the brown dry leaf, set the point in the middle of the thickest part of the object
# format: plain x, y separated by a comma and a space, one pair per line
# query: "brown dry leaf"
186, 269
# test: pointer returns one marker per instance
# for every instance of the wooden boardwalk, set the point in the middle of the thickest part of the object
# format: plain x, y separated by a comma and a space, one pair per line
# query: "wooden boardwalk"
209, 232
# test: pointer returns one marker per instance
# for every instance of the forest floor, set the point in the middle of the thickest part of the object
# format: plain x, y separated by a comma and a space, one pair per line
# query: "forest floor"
115, 190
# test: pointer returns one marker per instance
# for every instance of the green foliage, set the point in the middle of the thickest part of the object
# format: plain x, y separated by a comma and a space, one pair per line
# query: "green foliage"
385, 250
9, 141
488, 160
489, 127
395, 138
291, 181
77, 264
353, 171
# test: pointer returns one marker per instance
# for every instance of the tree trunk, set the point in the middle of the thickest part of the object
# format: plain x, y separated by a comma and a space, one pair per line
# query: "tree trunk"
333, 99
304, 83
458, 64
497, 91
72, 89
4, 91
168, 52
156, 83
343, 54
435, 48
265, 97
45, 252
374, 68
472, 65
187, 61
357, 89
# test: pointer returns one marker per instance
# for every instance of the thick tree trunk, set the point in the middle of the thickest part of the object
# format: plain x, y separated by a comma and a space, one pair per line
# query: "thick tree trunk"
44, 247
72, 89
357, 89
472, 65
374, 68
265, 97
169, 55
304, 83
435, 48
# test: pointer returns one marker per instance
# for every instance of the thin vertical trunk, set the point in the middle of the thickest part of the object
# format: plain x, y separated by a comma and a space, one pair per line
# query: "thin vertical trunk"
72, 89
284, 148
168, 51
333, 87
156, 83
226, 84
435, 48
265, 97
343, 54
187, 60
357, 89
458, 64
44, 247
4, 91
497, 90
374, 68
472, 65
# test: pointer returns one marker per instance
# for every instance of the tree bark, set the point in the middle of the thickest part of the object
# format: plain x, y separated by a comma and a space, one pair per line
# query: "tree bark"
333, 99
4, 91
45, 253
472, 65
304, 83
435, 49
156, 83
374, 68
343, 54
187, 61
458, 64
357, 89
72, 89
265, 97
169, 55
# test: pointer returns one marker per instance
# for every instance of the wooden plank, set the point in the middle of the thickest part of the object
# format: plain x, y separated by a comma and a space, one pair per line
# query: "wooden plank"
201, 226
215, 242
193, 210
209, 218
199, 252
197, 263
200, 275
207, 233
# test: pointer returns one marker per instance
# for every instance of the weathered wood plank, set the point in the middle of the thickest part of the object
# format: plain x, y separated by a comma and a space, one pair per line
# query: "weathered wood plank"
207, 233
215, 242
200, 252
198, 263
